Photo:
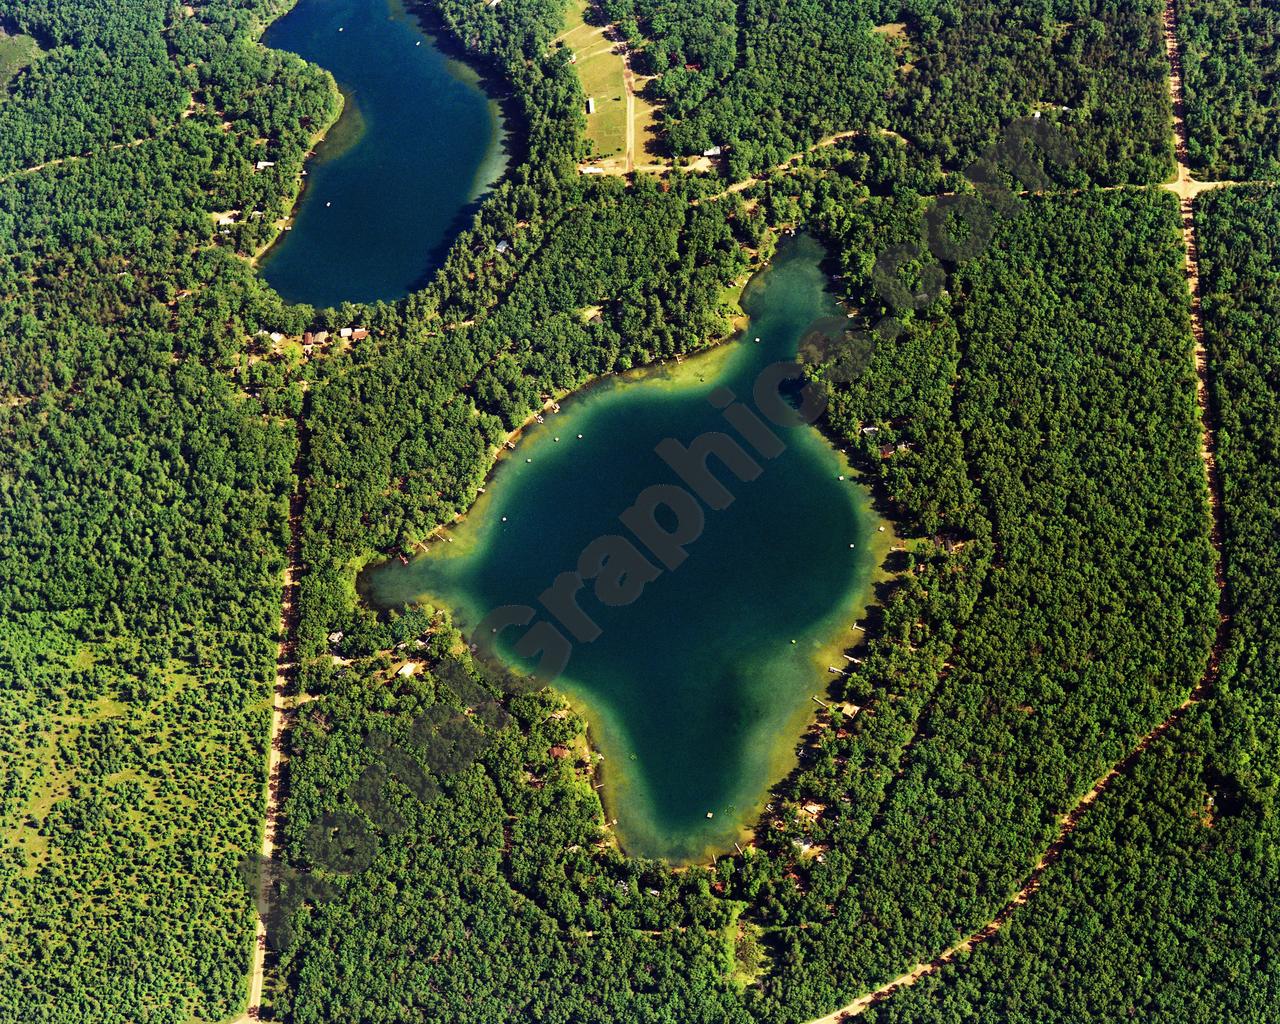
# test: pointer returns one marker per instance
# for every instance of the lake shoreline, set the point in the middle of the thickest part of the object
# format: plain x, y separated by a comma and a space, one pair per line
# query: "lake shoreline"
506, 448
617, 788
256, 258
395, 103
513, 130
784, 756
259, 256
491, 78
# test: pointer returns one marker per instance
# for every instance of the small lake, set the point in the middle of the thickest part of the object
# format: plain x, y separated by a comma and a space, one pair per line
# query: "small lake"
397, 177
698, 692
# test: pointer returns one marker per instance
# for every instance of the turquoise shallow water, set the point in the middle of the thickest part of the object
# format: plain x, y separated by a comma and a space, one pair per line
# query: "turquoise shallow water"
694, 692
418, 142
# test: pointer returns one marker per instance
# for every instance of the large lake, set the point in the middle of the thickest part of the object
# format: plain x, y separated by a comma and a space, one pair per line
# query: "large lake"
417, 144
695, 693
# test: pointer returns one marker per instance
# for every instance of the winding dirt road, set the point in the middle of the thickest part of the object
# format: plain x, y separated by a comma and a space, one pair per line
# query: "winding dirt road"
746, 183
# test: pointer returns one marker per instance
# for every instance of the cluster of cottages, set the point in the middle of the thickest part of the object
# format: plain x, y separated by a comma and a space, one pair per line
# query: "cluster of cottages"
232, 217
310, 339
409, 668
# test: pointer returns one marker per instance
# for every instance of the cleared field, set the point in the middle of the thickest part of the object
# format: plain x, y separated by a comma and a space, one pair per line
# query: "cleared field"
603, 75
16, 53
647, 147
622, 126
602, 80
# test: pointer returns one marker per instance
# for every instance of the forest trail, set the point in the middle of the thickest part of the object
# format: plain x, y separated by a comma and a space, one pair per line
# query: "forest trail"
59, 161
1182, 184
1068, 825
1186, 189
746, 183
282, 708
192, 107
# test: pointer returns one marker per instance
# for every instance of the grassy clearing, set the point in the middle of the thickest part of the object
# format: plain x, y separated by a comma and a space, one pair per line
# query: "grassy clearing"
892, 29
648, 133
607, 127
896, 34
602, 73
16, 53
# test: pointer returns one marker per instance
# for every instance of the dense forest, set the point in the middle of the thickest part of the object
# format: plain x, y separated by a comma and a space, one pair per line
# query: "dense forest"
56, 108
1162, 907
446, 855
1088, 530
148, 454
769, 78
1232, 79
1096, 67
1072, 629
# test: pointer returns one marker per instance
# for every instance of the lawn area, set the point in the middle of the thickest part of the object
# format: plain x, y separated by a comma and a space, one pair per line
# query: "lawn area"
602, 73
16, 53
650, 152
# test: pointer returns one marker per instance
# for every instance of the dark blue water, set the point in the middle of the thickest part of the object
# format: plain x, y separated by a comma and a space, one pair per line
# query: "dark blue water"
698, 691
418, 142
